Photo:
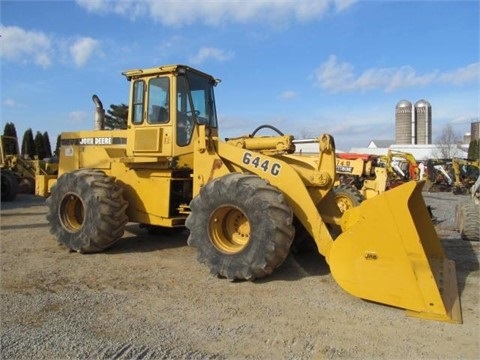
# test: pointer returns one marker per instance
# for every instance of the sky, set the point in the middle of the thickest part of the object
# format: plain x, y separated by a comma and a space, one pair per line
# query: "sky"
305, 67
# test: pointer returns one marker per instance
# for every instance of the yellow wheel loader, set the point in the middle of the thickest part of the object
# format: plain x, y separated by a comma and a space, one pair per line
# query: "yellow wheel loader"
239, 198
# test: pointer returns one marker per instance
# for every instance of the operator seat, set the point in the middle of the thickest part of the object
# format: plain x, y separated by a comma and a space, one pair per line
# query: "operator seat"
159, 114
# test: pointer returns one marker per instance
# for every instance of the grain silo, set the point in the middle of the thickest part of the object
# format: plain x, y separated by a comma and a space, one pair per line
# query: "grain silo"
475, 130
423, 122
404, 125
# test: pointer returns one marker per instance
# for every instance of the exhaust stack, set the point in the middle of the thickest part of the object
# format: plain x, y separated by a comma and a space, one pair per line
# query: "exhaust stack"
99, 122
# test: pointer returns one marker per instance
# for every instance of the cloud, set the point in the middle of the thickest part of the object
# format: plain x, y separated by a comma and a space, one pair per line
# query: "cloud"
127, 8
24, 46
10, 103
287, 95
463, 75
214, 13
341, 5
77, 117
82, 50
94, 5
211, 53
337, 76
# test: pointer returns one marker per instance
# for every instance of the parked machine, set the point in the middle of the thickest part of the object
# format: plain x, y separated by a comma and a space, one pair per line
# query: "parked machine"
9, 179
439, 175
240, 198
401, 167
363, 171
374, 174
466, 172
18, 174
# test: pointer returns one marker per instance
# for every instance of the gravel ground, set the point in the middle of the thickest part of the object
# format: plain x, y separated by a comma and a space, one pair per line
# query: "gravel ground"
148, 298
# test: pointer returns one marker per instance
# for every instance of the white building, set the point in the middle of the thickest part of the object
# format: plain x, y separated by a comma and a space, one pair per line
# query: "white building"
377, 147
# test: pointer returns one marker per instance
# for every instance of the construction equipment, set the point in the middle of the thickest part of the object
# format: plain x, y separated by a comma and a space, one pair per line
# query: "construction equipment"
239, 198
455, 175
9, 180
363, 171
401, 167
439, 177
374, 174
18, 174
466, 172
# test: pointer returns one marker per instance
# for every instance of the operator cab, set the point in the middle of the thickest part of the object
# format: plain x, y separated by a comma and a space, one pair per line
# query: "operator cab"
167, 104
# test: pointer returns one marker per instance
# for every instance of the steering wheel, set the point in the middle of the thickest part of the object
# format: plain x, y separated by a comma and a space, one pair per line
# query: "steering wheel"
266, 127
190, 113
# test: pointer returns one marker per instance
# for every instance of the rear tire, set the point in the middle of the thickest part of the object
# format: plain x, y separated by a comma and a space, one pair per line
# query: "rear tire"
9, 185
86, 211
240, 226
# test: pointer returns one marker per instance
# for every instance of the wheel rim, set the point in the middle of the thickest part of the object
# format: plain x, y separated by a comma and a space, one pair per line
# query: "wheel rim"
71, 212
229, 229
344, 203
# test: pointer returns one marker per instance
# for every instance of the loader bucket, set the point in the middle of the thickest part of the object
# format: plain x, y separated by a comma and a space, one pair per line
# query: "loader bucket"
389, 253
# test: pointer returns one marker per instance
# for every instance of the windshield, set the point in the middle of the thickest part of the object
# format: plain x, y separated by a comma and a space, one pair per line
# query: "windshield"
203, 101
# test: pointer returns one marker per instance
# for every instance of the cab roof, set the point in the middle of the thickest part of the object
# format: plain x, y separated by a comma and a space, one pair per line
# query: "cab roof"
163, 69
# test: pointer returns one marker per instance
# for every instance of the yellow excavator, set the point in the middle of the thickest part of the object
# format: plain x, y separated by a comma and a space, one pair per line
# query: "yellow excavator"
401, 167
240, 198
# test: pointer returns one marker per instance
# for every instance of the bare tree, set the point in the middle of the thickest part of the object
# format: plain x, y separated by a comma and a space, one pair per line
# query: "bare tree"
446, 144
306, 134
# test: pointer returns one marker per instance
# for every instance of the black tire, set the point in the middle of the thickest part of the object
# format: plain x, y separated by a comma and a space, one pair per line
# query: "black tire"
347, 196
86, 211
468, 218
26, 186
240, 226
9, 185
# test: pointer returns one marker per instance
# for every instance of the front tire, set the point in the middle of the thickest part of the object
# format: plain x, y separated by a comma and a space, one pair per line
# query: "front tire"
86, 211
240, 226
9, 185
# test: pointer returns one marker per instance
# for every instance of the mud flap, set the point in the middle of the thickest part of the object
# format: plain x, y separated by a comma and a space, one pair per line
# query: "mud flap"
389, 252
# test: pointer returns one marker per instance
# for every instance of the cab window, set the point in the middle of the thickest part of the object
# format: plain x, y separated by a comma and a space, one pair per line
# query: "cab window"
158, 100
201, 90
195, 104
138, 96
184, 113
